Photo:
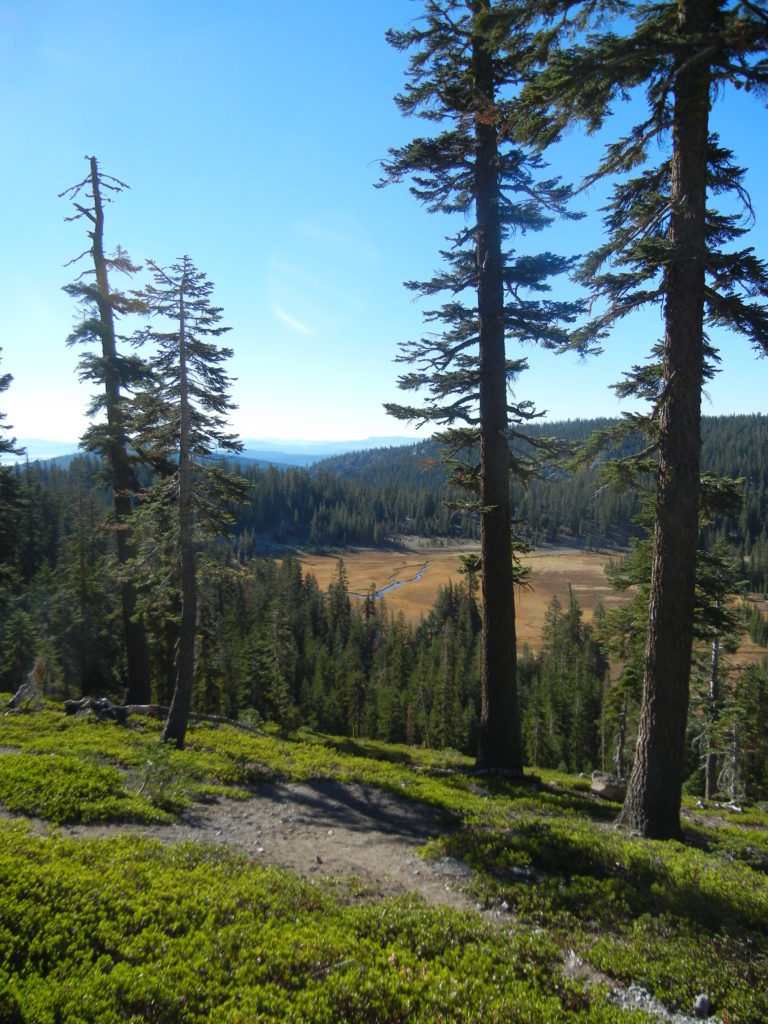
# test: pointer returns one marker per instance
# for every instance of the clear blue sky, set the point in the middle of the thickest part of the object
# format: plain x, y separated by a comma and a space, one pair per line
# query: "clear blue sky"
251, 134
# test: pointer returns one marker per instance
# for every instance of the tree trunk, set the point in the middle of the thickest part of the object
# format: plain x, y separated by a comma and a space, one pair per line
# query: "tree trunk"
618, 754
178, 715
710, 772
123, 480
652, 806
500, 743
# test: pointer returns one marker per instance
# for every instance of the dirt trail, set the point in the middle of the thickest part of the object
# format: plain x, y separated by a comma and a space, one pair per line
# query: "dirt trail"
321, 829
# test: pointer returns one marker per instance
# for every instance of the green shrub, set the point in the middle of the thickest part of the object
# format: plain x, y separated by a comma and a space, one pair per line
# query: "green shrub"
65, 788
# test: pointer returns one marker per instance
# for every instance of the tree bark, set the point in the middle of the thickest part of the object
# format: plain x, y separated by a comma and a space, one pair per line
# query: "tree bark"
652, 806
123, 481
178, 715
710, 772
500, 745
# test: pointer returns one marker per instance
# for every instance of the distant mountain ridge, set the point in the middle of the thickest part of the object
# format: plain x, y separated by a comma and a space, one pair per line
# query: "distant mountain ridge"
38, 449
279, 452
265, 451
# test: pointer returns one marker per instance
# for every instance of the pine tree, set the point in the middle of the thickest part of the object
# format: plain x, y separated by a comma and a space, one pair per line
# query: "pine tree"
81, 602
178, 427
667, 246
716, 624
9, 496
113, 373
719, 625
460, 75
8, 445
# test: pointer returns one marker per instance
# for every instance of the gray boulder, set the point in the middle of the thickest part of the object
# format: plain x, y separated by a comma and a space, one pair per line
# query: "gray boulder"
609, 787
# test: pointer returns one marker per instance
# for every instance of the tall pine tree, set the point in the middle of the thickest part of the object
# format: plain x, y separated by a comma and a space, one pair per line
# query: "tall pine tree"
666, 245
460, 75
180, 424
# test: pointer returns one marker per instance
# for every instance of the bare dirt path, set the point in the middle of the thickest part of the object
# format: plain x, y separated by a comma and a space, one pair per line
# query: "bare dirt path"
321, 829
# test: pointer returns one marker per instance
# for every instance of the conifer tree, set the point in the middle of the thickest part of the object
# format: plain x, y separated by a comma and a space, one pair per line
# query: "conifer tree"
667, 245
9, 497
8, 445
179, 425
460, 75
113, 373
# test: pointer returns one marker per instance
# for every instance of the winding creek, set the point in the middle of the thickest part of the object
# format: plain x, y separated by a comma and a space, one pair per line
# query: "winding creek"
395, 582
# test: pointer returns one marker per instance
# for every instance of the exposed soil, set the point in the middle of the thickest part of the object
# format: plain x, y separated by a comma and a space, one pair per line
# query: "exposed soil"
322, 829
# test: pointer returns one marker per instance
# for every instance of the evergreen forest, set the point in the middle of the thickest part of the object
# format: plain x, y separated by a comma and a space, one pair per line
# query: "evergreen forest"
273, 647
158, 567
590, 808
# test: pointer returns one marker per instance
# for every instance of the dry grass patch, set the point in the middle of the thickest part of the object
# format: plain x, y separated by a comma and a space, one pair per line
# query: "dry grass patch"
552, 570
380, 568
551, 573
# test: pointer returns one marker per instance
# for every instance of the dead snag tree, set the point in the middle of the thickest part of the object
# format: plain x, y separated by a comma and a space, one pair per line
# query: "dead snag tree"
114, 374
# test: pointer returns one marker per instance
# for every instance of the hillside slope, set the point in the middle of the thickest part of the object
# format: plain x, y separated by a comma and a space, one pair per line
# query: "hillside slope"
573, 922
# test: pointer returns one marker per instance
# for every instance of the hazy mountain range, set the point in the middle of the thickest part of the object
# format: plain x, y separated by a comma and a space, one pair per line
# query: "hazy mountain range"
271, 451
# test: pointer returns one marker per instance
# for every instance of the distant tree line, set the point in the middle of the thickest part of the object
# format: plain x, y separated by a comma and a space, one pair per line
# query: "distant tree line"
318, 508
561, 506
372, 499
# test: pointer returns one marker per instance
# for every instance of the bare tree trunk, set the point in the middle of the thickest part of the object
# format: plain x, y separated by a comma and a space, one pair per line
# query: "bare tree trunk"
123, 479
652, 805
178, 715
500, 743
710, 771
736, 792
621, 737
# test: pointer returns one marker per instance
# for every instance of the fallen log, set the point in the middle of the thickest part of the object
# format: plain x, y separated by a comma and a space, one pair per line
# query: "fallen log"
105, 711
102, 707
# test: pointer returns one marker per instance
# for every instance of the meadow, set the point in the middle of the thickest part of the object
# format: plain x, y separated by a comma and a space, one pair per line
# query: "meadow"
552, 571
569, 920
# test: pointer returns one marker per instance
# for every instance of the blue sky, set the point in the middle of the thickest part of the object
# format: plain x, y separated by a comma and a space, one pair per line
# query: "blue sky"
251, 135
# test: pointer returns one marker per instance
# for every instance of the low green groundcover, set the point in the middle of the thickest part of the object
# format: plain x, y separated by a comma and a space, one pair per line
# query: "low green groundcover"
129, 930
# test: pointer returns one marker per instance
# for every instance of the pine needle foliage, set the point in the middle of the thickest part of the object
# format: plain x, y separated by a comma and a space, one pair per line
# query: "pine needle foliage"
461, 75
671, 241
179, 426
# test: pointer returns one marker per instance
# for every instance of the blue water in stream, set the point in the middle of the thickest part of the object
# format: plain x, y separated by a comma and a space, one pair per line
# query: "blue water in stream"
394, 583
